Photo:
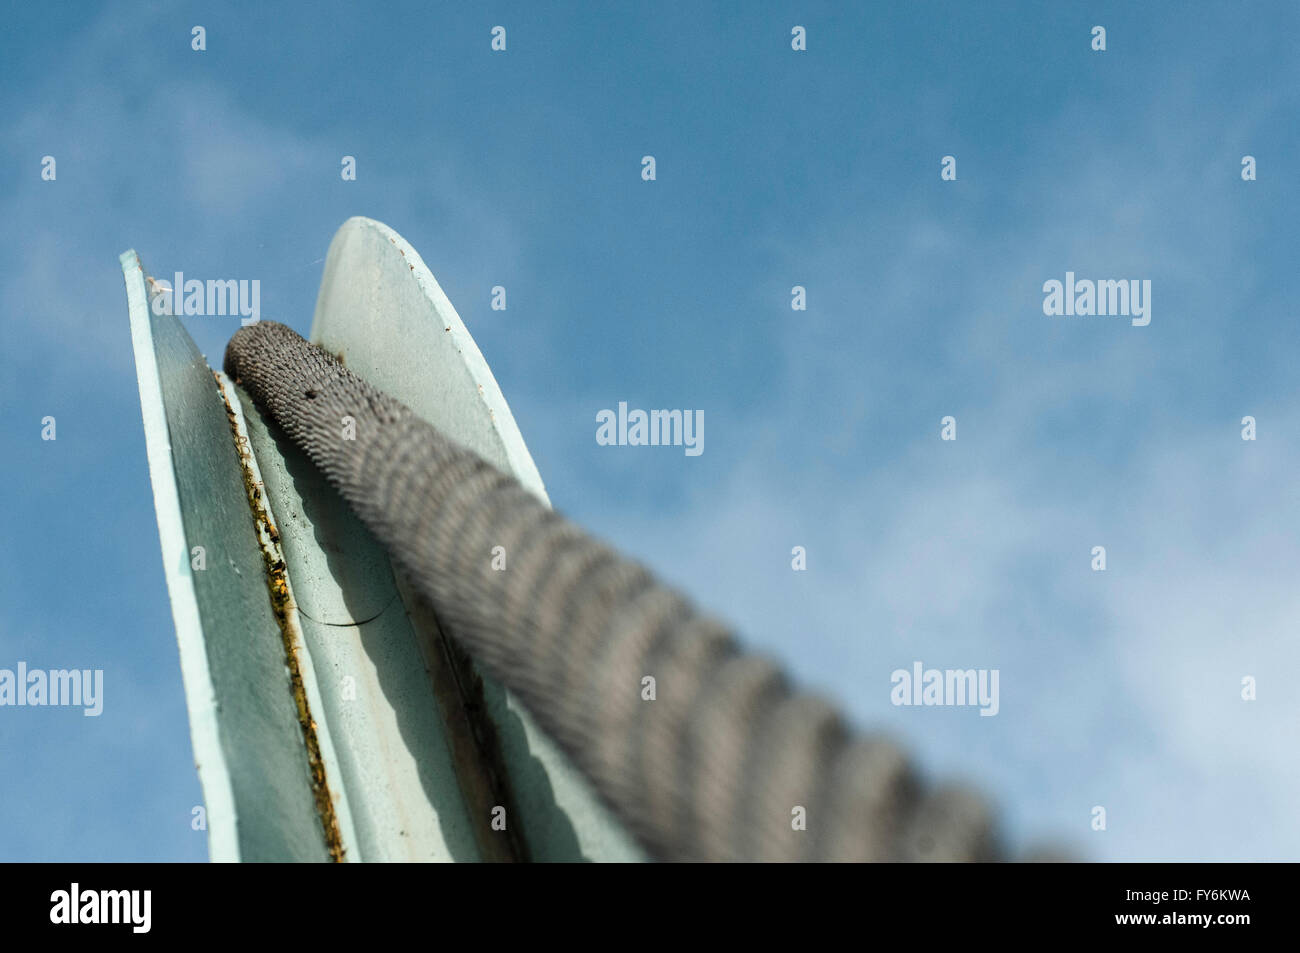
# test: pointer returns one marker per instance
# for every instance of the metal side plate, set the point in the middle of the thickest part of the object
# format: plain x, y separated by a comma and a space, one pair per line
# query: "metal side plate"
330, 716
383, 313
249, 687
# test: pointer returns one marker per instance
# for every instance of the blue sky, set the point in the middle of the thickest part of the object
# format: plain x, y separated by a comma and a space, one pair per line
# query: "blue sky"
775, 168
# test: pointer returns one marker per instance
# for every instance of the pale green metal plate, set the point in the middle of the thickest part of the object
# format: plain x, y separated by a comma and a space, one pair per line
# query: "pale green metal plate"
416, 749
383, 312
248, 745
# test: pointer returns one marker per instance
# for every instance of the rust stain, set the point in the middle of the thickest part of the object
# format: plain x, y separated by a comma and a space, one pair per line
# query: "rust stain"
282, 605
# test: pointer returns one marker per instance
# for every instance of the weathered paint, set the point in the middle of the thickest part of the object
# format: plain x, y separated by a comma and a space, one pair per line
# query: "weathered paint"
331, 805
248, 742
395, 759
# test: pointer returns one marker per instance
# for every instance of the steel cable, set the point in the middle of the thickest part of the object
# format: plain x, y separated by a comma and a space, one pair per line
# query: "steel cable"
728, 762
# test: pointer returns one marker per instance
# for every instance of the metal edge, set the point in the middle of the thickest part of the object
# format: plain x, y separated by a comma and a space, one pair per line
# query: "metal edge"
509, 442
200, 694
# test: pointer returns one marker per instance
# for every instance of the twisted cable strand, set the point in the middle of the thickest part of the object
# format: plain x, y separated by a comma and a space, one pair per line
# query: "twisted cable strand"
715, 767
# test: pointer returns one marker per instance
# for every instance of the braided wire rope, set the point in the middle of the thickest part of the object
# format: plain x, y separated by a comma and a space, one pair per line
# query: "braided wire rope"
724, 762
